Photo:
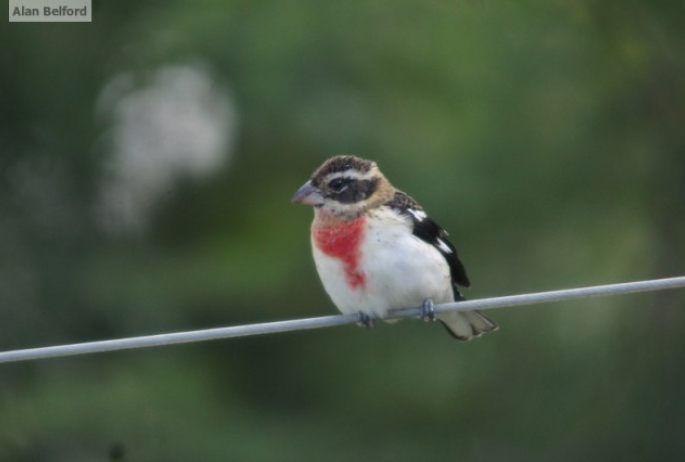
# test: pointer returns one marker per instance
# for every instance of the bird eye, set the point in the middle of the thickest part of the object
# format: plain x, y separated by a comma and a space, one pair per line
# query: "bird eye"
338, 184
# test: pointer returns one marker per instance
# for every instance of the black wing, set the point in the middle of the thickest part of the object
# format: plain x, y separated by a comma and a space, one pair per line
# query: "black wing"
430, 232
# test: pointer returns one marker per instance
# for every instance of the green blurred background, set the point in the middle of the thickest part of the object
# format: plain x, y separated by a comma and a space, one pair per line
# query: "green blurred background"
147, 161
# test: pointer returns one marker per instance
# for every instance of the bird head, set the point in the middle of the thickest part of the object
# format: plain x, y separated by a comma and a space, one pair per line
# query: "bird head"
345, 187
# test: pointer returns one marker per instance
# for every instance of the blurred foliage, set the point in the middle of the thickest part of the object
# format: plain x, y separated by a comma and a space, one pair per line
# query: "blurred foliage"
546, 136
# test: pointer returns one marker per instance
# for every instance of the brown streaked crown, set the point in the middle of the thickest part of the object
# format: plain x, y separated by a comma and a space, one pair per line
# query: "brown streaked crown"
341, 164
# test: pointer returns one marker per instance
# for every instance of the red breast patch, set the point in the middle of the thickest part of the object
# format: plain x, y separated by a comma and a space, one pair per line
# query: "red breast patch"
343, 241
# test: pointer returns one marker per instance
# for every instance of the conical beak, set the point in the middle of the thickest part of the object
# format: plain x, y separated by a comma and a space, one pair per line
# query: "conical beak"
308, 194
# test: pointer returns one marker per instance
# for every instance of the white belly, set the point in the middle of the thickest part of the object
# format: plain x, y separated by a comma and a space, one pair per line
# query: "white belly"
400, 271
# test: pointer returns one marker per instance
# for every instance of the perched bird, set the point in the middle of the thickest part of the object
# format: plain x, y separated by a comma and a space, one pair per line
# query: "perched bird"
376, 250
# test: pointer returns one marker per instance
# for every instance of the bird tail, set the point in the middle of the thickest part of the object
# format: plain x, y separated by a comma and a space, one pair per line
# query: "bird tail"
465, 325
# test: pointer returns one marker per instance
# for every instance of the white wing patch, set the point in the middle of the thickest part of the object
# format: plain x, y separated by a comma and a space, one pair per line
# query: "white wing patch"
418, 214
443, 247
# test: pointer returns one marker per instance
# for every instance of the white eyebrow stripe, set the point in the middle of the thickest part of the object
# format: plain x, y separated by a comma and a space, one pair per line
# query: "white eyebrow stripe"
444, 247
351, 173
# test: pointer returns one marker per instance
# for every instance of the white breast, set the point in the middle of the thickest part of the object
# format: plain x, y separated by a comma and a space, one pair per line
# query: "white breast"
401, 270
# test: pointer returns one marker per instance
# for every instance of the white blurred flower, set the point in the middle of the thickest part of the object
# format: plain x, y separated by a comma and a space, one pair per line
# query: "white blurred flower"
179, 125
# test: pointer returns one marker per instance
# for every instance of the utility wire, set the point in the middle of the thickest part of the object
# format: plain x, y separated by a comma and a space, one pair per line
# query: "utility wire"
329, 321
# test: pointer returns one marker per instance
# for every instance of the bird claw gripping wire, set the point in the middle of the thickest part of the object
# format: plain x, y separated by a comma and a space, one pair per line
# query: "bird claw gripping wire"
365, 320
428, 310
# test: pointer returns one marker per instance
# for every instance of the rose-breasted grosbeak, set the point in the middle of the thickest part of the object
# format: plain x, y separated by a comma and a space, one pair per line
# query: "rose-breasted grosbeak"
376, 250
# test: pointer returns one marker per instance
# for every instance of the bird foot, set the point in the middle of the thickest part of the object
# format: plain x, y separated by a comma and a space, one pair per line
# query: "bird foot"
427, 310
365, 320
